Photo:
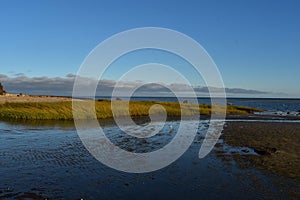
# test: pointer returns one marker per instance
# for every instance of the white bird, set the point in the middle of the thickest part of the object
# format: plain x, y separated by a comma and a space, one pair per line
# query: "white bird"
171, 128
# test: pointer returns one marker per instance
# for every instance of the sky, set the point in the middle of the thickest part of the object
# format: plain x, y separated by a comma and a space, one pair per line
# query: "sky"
254, 43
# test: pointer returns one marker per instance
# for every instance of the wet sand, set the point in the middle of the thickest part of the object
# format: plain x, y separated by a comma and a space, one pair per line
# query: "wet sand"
276, 145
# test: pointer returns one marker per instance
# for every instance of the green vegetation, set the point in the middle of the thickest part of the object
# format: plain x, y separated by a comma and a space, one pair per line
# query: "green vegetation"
63, 110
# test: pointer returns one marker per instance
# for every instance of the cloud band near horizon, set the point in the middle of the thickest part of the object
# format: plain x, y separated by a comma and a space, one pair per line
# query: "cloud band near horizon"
63, 86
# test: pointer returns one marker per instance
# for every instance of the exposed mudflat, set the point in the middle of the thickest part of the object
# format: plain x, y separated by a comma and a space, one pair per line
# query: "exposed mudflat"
276, 144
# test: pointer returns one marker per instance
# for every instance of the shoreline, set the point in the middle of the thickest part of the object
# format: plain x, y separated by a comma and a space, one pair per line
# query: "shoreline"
275, 143
276, 146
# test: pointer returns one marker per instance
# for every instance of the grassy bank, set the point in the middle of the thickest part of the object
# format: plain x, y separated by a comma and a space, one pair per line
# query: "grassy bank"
63, 110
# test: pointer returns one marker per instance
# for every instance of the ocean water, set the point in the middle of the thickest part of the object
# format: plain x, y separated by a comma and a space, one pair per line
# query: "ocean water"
41, 159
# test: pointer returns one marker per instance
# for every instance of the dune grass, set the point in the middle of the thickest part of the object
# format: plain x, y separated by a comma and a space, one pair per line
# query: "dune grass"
63, 110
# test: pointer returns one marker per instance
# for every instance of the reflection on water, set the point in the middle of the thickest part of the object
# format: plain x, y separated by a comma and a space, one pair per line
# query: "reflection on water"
47, 159
37, 124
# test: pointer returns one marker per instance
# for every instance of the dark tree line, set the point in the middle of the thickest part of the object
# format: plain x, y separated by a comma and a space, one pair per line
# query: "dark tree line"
2, 91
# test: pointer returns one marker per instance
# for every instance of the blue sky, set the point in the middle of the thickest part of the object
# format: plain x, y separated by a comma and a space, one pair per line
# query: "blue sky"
255, 44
